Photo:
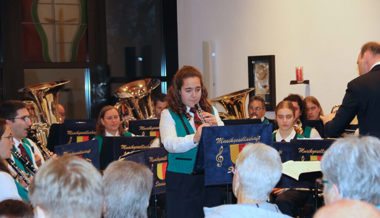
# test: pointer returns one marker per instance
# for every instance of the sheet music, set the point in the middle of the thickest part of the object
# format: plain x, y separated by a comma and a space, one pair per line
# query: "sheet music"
295, 168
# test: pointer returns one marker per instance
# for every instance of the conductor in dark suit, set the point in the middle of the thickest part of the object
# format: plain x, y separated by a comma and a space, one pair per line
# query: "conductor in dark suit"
362, 97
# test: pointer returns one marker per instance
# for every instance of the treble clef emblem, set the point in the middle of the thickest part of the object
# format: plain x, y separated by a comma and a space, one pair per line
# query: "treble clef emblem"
219, 158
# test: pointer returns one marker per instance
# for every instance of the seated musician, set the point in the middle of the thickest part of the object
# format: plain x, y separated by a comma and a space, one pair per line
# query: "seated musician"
127, 186
256, 109
313, 112
252, 184
109, 124
8, 188
159, 104
288, 201
306, 131
26, 155
285, 118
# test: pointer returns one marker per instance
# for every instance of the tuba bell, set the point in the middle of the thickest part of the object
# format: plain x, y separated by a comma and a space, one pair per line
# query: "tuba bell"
45, 97
234, 104
43, 109
135, 99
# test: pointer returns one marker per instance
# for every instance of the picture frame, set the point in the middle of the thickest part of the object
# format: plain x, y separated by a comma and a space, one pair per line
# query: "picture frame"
261, 76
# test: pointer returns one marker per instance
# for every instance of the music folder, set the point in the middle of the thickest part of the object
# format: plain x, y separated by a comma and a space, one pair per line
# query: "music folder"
87, 150
115, 147
301, 150
220, 146
156, 159
71, 131
145, 127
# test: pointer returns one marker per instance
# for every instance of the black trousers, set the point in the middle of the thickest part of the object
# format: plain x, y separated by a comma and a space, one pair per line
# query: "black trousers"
186, 195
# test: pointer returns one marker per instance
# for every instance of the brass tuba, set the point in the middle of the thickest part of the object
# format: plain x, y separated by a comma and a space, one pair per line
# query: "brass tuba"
234, 104
135, 99
45, 97
43, 110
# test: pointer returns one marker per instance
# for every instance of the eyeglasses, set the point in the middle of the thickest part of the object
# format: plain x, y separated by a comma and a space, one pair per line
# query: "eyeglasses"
321, 182
25, 118
10, 137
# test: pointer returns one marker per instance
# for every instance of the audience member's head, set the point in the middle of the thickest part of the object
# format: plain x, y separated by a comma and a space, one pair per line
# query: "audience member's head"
352, 170
109, 121
348, 209
368, 56
297, 103
257, 171
313, 109
159, 104
256, 107
67, 186
17, 117
15, 209
127, 186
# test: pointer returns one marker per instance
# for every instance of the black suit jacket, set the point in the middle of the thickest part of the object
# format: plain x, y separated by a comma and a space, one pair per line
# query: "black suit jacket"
362, 98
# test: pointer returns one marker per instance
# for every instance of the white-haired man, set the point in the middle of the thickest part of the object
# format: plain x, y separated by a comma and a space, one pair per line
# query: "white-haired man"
258, 169
127, 186
351, 170
67, 187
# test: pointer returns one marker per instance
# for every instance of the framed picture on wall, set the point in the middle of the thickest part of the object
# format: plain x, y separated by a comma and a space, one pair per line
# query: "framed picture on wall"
261, 75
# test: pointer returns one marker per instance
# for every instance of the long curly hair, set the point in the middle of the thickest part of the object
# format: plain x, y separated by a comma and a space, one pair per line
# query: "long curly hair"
100, 129
174, 92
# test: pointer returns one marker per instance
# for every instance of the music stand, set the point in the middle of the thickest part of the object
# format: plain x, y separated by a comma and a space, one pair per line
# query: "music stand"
144, 127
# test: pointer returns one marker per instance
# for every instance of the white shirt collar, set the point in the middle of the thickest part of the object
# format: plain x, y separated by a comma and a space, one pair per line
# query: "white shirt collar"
287, 139
17, 141
109, 134
377, 63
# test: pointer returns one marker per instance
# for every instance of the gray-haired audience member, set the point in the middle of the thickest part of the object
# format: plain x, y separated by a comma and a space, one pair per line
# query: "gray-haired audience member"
127, 186
352, 171
67, 186
348, 209
258, 169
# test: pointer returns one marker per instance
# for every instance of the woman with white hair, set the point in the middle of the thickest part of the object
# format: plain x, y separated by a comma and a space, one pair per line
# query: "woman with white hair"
258, 169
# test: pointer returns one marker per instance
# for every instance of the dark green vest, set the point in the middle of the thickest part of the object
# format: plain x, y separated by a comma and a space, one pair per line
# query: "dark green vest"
182, 162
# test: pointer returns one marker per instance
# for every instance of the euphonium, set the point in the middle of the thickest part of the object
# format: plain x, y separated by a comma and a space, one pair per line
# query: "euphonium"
20, 175
43, 110
45, 96
135, 99
234, 104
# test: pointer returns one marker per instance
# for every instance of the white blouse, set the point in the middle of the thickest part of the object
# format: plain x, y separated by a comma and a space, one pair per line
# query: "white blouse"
8, 189
168, 133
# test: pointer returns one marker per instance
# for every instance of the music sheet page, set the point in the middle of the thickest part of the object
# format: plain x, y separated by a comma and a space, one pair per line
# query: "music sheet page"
295, 168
